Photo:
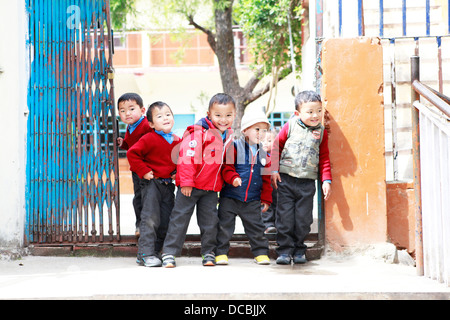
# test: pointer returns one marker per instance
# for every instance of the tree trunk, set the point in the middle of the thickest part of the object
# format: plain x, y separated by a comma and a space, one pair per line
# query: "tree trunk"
223, 47
227, 63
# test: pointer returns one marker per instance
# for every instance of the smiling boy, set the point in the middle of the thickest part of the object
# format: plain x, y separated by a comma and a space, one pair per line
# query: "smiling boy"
151, 159
302, 150
199, 179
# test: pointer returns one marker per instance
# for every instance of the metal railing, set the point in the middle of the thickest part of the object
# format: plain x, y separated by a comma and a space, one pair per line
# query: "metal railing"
382, 24
431, 153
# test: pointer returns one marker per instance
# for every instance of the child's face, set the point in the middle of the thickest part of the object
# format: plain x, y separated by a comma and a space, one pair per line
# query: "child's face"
130, 111
268, 142
310, 113
162, 119
256, 133
222, 115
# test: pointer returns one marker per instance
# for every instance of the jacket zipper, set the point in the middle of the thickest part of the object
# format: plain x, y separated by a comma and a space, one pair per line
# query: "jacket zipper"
251, 174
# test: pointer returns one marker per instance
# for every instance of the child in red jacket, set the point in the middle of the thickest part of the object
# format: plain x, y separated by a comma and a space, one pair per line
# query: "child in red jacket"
151, 159
132, 112
198, 178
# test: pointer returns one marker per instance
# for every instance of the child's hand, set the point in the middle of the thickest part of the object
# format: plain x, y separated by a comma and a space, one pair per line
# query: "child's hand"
264, 206
119, 141
148, 176
187, 191
275, 178
237, 182
326, 188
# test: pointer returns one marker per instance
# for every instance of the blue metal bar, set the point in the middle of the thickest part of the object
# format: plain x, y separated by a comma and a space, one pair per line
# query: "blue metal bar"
30, 184
428, 16
382, 18
360, 18
340, 18
404, 17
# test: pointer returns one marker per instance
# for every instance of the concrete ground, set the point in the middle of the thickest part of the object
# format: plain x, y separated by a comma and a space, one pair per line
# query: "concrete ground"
357, 275
332, 277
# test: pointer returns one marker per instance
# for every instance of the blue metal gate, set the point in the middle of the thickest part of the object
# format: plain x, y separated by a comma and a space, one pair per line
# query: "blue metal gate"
72, 192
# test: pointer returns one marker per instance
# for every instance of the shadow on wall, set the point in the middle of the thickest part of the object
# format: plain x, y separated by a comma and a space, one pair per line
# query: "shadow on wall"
343, 165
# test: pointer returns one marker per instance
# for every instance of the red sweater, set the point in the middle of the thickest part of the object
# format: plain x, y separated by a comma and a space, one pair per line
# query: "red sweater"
153, 153
130, 139
324, 154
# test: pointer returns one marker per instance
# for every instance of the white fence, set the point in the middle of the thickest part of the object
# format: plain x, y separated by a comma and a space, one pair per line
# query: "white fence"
435, 189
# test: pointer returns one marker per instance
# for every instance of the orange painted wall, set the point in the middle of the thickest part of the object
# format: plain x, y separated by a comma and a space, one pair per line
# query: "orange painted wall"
401, 214
352, 86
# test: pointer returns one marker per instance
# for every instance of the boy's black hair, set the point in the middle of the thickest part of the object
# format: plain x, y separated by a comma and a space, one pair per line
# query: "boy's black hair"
131, 97
306, 96
221, 98
153, 106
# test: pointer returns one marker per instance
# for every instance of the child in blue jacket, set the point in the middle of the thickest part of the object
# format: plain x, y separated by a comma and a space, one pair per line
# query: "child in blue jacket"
247, 188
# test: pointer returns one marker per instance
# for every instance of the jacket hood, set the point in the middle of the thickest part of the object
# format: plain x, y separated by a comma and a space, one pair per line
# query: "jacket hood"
204, 123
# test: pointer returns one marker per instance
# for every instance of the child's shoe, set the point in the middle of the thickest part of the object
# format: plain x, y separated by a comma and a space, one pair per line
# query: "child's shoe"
168, 261
148, 261
284, 259
222, 260
262, 259
270, 230
299, 259
209, 260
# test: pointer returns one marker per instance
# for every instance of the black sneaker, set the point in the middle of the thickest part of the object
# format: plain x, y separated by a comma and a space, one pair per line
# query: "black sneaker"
299, 258
209, 260
284, 259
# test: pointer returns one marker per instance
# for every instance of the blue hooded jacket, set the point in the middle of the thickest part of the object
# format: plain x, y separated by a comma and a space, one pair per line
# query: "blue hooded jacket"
250, 168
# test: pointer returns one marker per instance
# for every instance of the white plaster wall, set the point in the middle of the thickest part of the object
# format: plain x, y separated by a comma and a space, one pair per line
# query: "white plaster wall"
13, 106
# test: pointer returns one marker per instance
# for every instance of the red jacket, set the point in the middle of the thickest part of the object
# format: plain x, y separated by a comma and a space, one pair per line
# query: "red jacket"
201, 156
130, 139
153, 153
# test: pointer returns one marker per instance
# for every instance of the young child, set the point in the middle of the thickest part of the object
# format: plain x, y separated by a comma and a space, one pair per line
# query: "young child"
269, 215
198, 179
151, 159
302, 150
247, 188
132, 112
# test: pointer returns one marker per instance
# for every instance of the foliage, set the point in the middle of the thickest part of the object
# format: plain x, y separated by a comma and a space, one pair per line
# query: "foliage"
119, 11
265, 25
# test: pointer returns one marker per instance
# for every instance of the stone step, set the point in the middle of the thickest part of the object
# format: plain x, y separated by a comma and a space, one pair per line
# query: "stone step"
127, 247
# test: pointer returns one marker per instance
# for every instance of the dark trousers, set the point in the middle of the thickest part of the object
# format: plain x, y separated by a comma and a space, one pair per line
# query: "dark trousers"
207, 221
250, 214
157, 203
294, 213
269, 216
137, 199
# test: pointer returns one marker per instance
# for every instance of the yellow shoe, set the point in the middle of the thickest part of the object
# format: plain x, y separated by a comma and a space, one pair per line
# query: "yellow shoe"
262, 259
222, 260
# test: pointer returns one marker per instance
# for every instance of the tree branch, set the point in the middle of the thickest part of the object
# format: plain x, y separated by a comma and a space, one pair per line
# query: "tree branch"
252, 96
209, 33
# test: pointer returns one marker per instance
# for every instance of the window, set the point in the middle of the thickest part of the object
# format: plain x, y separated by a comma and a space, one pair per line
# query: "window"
278, 119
